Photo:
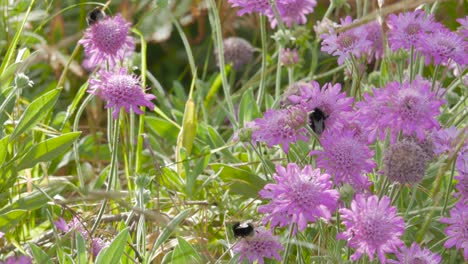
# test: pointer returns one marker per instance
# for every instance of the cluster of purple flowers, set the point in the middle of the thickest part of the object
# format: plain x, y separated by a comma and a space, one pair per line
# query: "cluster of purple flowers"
107, 44
76, 225
290, 12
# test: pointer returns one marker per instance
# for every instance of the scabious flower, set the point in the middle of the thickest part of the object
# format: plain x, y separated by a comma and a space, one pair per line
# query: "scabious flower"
416, 255
345, 157
372, 225
405, 162
299, 196
22, 259
374, 34
107, 41
62, 225
120, 90
327, 99
441, 46
457, 230
237, 51
462, 160
263, 244
97, 244
250, 6
405, 29
445, 140
289, 57
410, 108
462, 166
463, 29
347, 43
291, 11
281, 127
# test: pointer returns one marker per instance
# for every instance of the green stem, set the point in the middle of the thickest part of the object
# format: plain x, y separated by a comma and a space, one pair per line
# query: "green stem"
67, 66
261, 90
278, 74
411, 66
413, 197
288, 244
449, 189
434, 78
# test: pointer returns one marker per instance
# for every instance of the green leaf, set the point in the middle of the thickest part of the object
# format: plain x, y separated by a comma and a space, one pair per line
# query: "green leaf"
82, 253
167, 231
184, 253
11, 219
39, 255
6, 105
113, 253
76, 101
47, 150
241, 181
248, 108
3, 149
35, 112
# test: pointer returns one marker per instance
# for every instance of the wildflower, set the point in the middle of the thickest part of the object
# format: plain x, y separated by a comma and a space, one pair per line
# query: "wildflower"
372, 225
263, 244
327, 99
120, 90
299, 196
22, 259
281, 127
441, 46
107, 41
346, 158
462, 160
463, 29
374, 34
237, 51
410, 108
415, 254
97, 244
291, 12
407, 28
462, 166
445, 140
289, 57
250, 6
347, 43
62, 225
457, 230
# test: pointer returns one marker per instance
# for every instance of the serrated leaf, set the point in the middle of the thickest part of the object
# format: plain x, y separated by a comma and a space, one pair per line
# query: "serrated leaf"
47, 150
35, 112
113, 253
39, 255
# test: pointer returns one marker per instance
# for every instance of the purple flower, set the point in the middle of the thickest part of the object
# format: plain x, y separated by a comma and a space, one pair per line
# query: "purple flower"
250, 6
298, 196
62, 225
405, 162
441, 46
463, 29
457, 231
407, 28
281, 127
327, 99
291, 11
262, 245
120, 90
445, 140
462, 167
347, 43
107, 41
97, 244
374, 34
237, 52
22, 259
345, 157
415, 254
289, 57
410, 108
372, 226
462, 160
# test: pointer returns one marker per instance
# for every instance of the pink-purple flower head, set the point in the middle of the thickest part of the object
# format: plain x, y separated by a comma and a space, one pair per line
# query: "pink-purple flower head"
329, 99
410, 108
281, 127
299, 196
120, 90
445, 140
22, 259
107, 41
346, 158
250, 6
415, 254
374, 34
372, 225
347, 43
443, 45
291, 12
263, 244
457, 230
463, 29
405, 29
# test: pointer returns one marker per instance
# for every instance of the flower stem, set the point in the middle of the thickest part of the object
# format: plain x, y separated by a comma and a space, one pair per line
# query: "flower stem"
261, 90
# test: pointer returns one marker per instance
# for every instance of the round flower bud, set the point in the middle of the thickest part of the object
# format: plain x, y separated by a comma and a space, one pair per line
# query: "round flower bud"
405, 162
237, 52
289, 57
23, 81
